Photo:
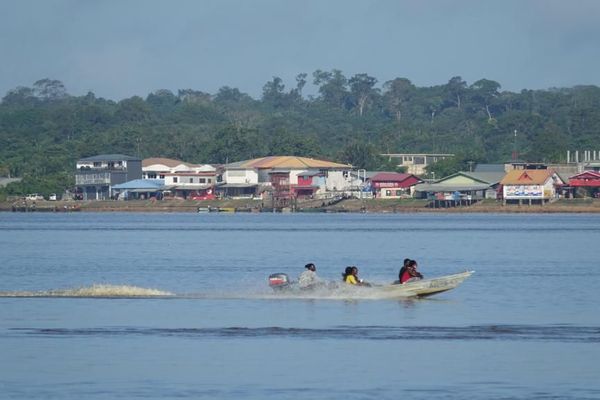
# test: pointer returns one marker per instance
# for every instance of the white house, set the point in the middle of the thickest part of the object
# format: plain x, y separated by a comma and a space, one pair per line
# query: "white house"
184, 180
298, 174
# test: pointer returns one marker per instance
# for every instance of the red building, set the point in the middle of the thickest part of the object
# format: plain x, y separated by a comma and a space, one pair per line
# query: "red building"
393, 185
586, 183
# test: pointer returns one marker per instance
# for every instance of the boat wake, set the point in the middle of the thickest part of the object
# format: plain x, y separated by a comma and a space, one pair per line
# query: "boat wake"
96, 290
111, 291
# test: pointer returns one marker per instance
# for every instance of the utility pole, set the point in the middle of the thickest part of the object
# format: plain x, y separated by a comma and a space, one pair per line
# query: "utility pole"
514, 153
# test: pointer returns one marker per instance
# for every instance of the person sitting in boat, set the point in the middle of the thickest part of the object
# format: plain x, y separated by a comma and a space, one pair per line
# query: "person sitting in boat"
351, 277
402, 270
347, 276
309, 279
411, 273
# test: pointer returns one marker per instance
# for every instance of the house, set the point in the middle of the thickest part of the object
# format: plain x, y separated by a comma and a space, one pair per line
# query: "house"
95, 176
393, 185
139, 189
586, 184
416, 163
462, 185
285, 176
533, 185
183, 180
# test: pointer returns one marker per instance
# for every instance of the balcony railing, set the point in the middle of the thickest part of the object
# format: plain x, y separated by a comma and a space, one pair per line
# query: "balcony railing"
88, 178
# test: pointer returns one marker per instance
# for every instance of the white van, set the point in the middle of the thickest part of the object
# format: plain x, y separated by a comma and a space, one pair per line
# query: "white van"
34, 197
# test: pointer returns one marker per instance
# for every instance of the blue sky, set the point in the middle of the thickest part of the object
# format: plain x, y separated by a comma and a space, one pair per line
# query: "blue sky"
121, 48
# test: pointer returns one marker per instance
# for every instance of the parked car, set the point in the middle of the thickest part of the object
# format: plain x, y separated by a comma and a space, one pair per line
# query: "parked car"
34, 197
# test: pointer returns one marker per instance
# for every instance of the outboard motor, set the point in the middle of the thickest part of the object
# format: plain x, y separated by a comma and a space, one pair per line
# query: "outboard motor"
279, 281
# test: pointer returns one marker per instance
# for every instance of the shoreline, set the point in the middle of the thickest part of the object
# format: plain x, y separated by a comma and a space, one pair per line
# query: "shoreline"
577, 206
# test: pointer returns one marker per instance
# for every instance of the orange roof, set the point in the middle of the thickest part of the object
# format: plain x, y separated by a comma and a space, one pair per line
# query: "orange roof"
527, 177
169, 162
290, 162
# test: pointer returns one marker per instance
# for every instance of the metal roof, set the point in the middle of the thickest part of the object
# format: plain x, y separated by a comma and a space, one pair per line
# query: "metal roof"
111, 157
440, 187
287, 162
138, 184
390, 177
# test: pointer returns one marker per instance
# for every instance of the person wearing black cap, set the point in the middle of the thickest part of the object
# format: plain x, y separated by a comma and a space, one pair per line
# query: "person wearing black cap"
308, 279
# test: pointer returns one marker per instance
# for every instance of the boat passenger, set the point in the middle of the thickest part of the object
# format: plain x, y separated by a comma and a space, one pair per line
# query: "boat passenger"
348, 277
351, 277
411, 273
309, 279
402, 270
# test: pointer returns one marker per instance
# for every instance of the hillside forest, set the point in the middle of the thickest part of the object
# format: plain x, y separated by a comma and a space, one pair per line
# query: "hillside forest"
44, 129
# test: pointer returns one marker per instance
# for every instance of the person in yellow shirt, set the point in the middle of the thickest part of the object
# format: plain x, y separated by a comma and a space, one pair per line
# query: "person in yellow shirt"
351, 276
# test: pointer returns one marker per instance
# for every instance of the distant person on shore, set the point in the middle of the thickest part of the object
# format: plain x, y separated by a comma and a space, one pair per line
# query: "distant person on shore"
309, 279
411, 273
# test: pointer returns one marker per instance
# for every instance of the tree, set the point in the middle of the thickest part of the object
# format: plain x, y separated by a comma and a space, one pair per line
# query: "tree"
484, 92
360, 155
332, 87
273, 93
361, 87
49, 89
397, 93
455, 89
20, 96
134, 109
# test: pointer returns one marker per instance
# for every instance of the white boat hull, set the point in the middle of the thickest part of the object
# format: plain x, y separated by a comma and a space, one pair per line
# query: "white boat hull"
423, 287
342, 291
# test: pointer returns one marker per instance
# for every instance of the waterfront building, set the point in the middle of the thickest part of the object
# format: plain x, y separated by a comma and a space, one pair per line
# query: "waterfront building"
393, 185
533, 186
470, 186
285, 176
181, 179
95, 176
416, 163
586, 184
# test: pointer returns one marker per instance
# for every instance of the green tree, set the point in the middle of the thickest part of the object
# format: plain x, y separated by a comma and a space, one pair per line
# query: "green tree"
362, 90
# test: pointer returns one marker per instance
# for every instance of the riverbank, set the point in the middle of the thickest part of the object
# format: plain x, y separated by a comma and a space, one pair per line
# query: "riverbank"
348, 205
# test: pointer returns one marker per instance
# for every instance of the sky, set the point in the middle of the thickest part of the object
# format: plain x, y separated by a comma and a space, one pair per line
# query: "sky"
121, 48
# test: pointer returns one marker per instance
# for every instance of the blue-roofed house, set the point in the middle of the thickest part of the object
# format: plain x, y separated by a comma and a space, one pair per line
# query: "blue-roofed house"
139, 189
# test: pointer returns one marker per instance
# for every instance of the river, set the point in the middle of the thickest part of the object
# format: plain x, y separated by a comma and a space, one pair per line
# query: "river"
134, 305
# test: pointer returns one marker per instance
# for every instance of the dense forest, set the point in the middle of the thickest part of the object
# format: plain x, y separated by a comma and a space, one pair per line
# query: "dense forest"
44, 130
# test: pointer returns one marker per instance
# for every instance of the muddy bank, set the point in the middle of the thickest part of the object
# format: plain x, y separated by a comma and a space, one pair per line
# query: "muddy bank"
349, 205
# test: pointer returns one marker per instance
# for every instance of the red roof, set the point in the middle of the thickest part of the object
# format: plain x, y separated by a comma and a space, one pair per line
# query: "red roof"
586, 179
390, 177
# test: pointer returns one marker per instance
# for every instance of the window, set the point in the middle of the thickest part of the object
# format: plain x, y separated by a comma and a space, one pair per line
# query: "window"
202, 180
97, 164
398, 193
152, 175
209, 180
388, 193
161, 176
419, 160
174, 179
191, 180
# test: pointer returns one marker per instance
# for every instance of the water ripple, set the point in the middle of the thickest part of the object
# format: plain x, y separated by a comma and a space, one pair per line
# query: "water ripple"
536, 333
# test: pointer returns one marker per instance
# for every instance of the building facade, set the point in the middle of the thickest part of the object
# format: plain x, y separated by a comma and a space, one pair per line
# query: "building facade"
95, 176
416, 163
393, 185
532, 186
302, 176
